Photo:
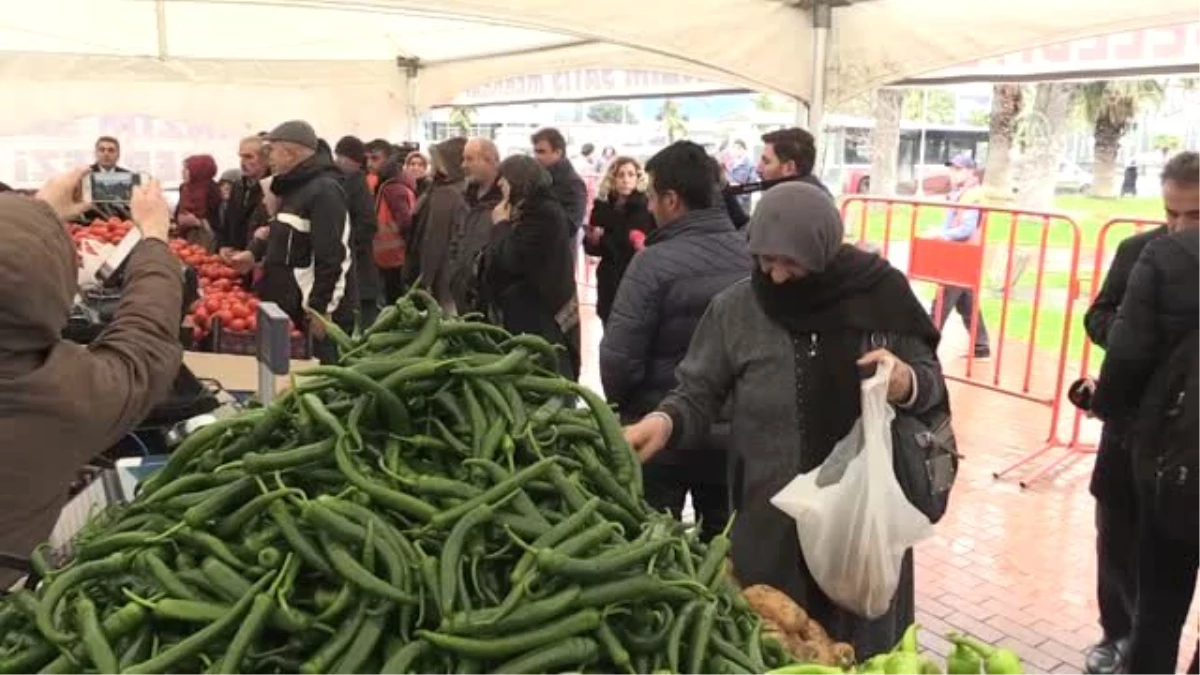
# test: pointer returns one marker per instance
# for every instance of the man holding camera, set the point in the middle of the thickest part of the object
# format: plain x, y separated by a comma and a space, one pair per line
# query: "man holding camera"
62, 403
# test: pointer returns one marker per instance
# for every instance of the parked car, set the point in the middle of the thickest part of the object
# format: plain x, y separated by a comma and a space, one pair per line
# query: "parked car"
1072, 178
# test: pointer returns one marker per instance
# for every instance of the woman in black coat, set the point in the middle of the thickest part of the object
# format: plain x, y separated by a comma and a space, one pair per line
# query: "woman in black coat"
618, 213
526, 280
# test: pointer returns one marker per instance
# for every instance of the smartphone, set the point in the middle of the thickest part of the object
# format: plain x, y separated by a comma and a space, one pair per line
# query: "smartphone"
114, 187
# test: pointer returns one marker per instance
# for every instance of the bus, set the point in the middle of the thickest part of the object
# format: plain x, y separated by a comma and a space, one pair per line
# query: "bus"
846, 154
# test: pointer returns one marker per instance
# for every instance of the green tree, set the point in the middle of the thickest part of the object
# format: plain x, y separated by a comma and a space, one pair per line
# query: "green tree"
765, 102
1111, 108
940, 108
611, 113
673, 120
1166, 143
462, 118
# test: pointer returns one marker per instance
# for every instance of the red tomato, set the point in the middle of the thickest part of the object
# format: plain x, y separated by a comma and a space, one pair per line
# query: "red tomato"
221, 284
213, 305
252, 323
225, 316
200, 311
252, 303
240, 310
201, 320
197, 334
113, 220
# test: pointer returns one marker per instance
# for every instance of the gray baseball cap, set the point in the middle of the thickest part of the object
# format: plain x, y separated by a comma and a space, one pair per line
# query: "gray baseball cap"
295, 131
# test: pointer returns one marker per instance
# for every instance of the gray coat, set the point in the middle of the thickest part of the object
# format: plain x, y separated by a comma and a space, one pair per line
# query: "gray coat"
738, 350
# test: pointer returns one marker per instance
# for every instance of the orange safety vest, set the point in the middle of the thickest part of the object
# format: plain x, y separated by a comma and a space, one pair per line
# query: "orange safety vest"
388, 247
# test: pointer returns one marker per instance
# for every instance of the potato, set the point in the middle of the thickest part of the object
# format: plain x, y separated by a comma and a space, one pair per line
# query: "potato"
807, 651
813, 632
778, 607
843, 654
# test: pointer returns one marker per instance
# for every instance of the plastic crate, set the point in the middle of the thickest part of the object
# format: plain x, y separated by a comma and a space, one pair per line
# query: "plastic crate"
103, 490
245, 343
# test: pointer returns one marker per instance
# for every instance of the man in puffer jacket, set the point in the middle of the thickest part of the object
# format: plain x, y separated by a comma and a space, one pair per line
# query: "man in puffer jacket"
693, 254
308, 258
1155, 325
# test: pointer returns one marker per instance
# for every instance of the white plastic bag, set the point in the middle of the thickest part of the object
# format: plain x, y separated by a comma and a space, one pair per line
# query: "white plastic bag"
853, 519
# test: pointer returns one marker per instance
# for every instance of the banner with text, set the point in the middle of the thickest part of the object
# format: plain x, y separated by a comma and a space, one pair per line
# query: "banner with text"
589, 83
1153, 50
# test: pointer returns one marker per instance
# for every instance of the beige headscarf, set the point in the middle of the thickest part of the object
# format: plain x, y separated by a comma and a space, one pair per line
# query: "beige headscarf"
38, 275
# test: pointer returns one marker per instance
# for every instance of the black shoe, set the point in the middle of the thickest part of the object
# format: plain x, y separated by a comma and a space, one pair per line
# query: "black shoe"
1106, 657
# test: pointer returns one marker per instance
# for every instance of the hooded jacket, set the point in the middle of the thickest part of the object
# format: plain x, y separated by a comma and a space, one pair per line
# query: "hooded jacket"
62, 403
308, 259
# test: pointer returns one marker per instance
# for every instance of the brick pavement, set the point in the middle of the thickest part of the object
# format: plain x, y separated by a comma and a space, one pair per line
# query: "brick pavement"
1007, 565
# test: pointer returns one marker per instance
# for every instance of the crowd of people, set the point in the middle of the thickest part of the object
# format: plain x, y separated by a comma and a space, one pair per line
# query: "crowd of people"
734, 344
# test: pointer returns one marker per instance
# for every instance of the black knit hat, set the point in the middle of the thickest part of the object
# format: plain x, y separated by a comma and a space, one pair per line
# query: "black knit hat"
351, 147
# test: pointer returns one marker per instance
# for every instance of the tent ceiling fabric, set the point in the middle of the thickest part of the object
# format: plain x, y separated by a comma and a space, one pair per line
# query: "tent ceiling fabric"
760, 44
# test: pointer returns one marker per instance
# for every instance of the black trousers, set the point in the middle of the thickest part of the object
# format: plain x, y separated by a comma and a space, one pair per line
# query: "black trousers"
1166, 581
961, 300
1116, 568
667, 487
393, 284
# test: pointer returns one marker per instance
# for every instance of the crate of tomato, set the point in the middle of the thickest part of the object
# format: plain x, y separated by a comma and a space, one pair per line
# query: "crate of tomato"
109, 231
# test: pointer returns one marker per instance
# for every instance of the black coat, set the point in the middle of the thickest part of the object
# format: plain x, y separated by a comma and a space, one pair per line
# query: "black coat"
360, 207
308, 257
1161, 306
244, 213
1110, 478
526, 281
665, 291
614, 248
570, 191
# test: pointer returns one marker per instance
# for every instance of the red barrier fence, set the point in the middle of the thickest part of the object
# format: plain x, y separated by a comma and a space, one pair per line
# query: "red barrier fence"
963, 265
1076, 445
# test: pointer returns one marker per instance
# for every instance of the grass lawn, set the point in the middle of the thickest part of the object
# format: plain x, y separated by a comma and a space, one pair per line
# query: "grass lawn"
1048, 338
1089, 213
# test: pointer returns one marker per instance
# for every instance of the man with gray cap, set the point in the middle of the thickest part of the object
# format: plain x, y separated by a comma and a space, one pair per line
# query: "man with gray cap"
308, 260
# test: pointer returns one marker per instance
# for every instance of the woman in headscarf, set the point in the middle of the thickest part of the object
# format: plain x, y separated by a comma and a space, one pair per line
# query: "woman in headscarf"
786, 347
438, 216
526, 280
199, 208
617, 228
416, 167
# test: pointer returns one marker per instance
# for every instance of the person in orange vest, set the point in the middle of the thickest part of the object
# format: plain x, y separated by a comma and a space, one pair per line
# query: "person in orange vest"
962, 224
395, 201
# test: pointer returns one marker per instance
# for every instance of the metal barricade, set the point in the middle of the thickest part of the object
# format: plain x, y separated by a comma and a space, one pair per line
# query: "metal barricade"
963, 265
1101, 262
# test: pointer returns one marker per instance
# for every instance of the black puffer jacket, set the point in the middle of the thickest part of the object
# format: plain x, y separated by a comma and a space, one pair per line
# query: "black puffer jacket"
308, 257
614, 248
662, 296
1161, 306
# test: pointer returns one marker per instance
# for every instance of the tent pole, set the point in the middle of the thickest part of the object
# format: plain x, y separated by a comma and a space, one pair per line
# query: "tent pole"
822, 19
160, 24
412, 123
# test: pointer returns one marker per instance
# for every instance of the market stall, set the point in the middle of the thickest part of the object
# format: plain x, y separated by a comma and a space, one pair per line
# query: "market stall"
440, 502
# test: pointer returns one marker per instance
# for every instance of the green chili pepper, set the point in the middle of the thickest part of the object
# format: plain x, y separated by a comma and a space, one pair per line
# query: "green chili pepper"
963, 661
996, 661
198, 641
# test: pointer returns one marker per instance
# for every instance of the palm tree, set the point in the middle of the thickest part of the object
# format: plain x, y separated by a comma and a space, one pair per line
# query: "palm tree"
673, 120
1111, 108
462, 118
887, 108
1007, 101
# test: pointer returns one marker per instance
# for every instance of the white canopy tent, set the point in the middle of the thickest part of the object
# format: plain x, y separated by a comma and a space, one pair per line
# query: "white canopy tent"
369, 66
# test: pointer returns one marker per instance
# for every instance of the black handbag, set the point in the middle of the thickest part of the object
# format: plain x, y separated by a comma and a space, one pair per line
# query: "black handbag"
924, 452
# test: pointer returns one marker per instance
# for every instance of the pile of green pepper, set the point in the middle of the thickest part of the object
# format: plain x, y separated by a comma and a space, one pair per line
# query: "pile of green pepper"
440, 502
